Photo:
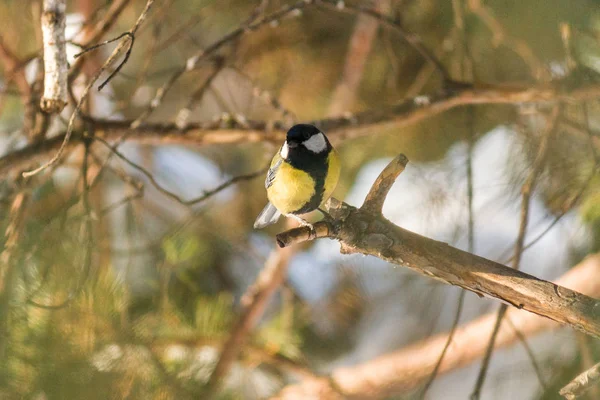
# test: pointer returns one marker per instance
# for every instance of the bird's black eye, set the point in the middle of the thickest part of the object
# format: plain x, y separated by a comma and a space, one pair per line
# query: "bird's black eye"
306, 135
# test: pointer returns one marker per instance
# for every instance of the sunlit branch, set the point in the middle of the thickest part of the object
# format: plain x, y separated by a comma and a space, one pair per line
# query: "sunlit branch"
359, 231
221, 132
582, 383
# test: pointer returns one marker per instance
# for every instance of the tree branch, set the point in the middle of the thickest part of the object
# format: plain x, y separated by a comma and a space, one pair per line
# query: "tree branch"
362, 231
55, 57
338, 128
127, 40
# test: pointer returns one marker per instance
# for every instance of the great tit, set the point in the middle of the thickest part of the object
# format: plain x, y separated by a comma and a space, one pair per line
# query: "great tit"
301, 177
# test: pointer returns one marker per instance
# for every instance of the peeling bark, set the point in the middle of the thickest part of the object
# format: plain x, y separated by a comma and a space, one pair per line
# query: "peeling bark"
55, 57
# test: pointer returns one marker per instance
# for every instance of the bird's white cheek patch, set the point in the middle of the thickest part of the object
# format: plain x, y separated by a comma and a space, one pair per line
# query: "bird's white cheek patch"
284, 150
316, 143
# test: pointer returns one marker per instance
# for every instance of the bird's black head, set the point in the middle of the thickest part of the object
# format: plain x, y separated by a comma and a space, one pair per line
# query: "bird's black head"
300, 133
305, 138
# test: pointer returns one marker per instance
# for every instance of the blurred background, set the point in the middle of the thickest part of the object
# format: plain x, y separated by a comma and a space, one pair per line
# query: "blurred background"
125, 274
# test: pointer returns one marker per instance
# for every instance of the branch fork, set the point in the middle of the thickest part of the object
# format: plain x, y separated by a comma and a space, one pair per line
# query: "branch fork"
341, 213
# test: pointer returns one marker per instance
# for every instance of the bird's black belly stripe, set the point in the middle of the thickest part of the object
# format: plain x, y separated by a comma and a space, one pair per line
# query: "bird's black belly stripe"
316, 166
317, 197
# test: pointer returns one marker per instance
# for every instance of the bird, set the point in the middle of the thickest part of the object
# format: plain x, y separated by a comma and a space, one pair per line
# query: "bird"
301, 177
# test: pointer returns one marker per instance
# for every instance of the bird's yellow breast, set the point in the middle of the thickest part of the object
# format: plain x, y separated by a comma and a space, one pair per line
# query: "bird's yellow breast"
292, 189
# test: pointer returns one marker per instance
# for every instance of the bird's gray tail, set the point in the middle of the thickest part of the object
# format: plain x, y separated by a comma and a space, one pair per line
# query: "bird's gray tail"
269, 215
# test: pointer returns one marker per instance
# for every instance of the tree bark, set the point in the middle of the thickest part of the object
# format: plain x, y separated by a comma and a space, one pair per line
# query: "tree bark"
366, 231
55, 56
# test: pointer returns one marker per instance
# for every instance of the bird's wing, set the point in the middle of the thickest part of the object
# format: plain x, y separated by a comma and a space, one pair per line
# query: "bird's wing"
275, 164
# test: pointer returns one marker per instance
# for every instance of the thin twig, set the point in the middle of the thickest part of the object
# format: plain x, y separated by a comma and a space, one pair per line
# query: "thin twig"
413, 40
465, 65
532, 358
526, 192
99, 30
182, 118
438, 364
88, 236
205, 196
194, 61
131, 38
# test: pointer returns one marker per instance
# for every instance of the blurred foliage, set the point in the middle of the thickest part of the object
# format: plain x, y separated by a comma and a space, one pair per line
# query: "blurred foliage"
168, 278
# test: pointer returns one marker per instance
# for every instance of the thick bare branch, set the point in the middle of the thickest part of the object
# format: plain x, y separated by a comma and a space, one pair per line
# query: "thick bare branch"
360, 231
55, 56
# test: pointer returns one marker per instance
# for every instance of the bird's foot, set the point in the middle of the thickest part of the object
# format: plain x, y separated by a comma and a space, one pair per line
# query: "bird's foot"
301, 221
